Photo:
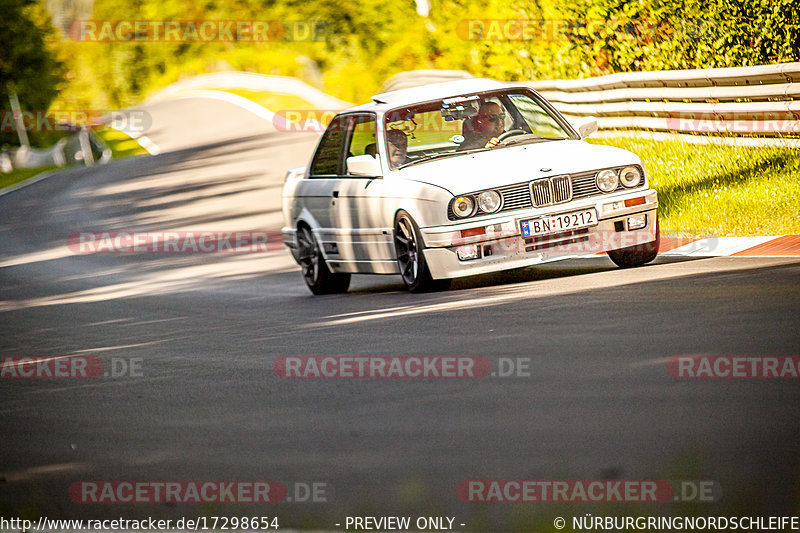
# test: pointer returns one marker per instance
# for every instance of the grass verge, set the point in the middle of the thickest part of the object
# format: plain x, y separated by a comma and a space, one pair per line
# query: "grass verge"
717, 190
21, 174
121, 144
275, 102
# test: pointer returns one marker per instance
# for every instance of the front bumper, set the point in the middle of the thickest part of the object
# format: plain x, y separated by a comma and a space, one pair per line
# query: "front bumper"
503, 247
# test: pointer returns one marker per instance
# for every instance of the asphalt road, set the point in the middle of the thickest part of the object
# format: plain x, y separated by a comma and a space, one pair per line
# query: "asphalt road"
205, 329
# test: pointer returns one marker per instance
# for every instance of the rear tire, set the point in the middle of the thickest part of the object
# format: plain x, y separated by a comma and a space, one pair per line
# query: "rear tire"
316, 273
410, 259
635, 256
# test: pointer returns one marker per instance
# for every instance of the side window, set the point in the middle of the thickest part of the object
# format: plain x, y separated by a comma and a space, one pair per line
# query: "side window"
362, 138
328, 158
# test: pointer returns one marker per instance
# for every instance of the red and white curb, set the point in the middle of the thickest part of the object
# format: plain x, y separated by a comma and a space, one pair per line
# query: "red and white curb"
730, 246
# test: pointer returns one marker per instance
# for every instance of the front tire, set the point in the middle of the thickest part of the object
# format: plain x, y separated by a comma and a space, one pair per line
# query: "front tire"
635, 256
410, 259
316, 273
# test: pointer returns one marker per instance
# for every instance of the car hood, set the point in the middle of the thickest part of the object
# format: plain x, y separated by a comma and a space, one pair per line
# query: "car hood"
494, 168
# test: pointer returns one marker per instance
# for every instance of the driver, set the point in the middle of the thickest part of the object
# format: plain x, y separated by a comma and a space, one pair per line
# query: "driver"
497, 116
483, 130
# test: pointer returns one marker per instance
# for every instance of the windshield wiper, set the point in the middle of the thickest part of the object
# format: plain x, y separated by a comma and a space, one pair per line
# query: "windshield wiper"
529, 138
442, 156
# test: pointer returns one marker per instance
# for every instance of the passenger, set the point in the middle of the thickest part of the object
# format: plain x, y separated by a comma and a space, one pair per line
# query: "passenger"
398, 147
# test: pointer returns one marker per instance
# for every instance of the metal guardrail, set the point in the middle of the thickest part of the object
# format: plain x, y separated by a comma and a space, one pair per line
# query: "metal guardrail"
82, 147
761, 103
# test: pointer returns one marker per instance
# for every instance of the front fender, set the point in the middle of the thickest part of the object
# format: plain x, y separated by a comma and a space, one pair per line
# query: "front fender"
425, 203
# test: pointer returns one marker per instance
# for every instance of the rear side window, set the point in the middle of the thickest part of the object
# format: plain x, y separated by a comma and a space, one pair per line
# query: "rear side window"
362, 137
328, 158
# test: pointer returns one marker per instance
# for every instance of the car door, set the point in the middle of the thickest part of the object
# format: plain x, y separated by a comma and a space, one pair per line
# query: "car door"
366, 240
320, 189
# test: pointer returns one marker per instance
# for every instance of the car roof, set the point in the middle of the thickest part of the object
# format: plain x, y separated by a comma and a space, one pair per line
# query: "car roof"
425, 93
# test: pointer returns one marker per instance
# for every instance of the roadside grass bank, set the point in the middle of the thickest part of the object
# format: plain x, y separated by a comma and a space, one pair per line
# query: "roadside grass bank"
275, 102
19, 175
121, 144
713, 190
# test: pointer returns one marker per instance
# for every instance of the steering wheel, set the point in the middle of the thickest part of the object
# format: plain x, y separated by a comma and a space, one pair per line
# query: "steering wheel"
506, 134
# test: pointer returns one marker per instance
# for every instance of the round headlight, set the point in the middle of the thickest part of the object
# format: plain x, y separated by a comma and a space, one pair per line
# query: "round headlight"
463, 206
630, 176
607, 180
489, 201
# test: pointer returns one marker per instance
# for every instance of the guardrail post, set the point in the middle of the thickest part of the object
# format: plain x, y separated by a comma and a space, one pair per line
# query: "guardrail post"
86, 147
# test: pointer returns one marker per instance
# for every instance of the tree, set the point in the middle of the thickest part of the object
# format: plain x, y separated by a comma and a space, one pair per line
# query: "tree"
27, 66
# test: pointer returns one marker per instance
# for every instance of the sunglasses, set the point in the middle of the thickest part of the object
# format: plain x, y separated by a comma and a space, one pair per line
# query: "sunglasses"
498, 117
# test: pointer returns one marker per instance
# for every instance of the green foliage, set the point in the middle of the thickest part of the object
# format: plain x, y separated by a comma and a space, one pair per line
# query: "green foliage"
21, 174
27, 66
353, 47
360, 43
121, 144
581, 38
686, 34
718, 190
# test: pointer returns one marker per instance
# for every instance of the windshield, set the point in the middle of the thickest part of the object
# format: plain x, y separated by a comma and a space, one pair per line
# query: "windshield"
470, 123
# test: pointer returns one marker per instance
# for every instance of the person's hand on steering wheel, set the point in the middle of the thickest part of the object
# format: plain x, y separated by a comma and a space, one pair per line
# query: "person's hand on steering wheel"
509, 133
494, 141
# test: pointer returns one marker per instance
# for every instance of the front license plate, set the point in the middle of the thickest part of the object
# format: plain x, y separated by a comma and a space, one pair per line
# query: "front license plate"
559, 223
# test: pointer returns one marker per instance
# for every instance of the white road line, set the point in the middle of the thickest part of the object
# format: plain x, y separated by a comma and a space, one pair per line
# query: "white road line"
143, 140
151, 147
253, 82
278, 122
660, 361
120, 347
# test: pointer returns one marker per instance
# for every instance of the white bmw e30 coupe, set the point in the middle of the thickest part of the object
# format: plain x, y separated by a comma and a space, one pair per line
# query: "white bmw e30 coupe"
461, 178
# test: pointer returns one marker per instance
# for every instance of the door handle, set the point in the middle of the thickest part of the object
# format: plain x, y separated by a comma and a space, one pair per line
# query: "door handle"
335, 194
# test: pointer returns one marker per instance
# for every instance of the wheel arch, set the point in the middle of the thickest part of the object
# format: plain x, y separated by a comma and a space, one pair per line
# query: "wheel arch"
312, 226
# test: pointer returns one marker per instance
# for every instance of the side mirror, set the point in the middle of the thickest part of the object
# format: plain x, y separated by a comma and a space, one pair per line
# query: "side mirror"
585, 126
364, 165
